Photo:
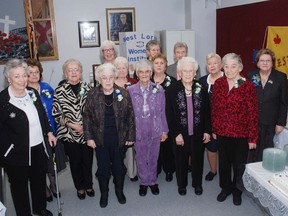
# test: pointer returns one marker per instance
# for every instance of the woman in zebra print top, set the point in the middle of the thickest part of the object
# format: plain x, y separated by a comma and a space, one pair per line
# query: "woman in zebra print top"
68, 105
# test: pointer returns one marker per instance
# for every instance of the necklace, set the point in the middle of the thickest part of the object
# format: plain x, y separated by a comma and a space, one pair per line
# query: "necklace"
109, 98
108, 105
188, 92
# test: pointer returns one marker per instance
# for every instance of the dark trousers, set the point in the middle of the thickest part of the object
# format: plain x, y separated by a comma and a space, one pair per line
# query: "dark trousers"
19, 176
166, 157
80, 159
195, 149
233, 154
110, 156
266, 135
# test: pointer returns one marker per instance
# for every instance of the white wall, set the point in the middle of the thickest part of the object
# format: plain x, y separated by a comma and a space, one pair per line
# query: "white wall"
150, 15
230, 3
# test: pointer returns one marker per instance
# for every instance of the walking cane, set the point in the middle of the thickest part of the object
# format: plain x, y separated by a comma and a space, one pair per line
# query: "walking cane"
57, 185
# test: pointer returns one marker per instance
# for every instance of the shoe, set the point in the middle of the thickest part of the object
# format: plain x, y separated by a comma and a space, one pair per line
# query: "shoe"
210, 176
237, 200
134, 179
223, 195
49, 198
90, 192
143, 190
198, 190
182, 191
81, 196
43, 212
169, 177
154, 189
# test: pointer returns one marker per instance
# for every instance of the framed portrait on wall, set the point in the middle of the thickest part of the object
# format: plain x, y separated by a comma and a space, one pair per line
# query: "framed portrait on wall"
119, 20
89, 35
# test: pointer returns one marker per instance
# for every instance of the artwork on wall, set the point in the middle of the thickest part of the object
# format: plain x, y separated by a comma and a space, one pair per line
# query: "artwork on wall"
41, 29
13, 43
119, 20
89, 34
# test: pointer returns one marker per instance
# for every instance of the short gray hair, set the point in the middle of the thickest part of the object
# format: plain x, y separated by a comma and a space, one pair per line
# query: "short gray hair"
187, 60
144, 63
72, 61
12, 64
232, 56
213, 55
180, 44
105, 67
121, 60
107, 44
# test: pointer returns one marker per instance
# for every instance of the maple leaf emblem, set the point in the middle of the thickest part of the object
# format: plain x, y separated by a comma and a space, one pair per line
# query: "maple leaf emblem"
277, 39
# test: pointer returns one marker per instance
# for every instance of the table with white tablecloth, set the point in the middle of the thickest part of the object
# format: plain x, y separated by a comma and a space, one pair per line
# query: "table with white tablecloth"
257, 181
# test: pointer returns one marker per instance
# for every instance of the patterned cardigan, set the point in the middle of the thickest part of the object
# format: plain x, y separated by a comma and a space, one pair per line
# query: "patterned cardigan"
68, 107
94, 116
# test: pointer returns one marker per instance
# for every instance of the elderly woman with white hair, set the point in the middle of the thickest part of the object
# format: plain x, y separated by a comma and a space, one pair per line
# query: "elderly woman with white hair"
108, 52
188, 115
109, 128
234, 116
23, 126
123, 80
149, 106
68, 106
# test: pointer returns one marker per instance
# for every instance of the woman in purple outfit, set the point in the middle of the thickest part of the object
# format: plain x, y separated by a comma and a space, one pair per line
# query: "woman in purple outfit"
148, 101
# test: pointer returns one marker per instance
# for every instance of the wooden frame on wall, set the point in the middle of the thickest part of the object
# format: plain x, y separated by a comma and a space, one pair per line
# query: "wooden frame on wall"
89, 34
40, 23
119, 20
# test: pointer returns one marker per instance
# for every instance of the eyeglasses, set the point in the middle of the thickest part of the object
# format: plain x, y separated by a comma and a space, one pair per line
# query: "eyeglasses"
108, 50
71, 70
265, 61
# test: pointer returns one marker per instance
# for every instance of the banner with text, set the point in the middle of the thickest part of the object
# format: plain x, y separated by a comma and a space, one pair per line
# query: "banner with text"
277, 40
132, 45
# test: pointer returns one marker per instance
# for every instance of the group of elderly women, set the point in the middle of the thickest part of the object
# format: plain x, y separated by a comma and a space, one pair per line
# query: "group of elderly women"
159, 120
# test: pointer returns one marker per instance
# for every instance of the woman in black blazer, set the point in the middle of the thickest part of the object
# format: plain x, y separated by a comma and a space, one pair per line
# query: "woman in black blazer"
272, 95
188, 117
23, 125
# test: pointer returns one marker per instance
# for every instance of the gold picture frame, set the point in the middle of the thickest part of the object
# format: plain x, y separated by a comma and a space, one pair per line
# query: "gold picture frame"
119, 20
41, 29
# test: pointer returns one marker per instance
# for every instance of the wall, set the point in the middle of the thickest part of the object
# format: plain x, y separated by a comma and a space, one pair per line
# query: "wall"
150, 15
241, 29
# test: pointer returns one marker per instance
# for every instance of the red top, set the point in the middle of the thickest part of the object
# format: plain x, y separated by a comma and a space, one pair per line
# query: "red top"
235, 113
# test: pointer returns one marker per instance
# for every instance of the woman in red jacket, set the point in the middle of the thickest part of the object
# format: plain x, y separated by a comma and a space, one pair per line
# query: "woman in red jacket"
234, 123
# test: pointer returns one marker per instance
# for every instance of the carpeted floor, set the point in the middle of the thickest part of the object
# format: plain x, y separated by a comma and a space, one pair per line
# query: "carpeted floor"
167, 203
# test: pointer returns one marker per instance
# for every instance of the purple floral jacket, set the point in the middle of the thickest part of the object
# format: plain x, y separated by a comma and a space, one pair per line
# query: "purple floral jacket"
156, 102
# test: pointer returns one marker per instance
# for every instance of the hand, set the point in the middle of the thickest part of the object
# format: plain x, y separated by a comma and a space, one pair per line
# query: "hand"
179, 140
252, 146
214, 136
52, 139
128, 143
206, 138
77, 127
91, 143
278, 129
164, 136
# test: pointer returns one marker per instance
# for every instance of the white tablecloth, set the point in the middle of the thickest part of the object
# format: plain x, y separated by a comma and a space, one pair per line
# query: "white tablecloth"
256, 180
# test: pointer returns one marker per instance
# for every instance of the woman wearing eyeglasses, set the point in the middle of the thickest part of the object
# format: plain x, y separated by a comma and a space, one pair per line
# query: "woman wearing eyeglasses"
108, 52
68, 106
272, 95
